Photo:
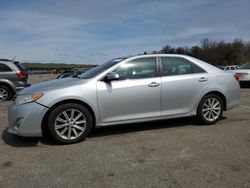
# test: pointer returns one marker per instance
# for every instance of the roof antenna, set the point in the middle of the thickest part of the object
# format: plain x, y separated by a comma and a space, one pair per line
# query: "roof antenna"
13, 59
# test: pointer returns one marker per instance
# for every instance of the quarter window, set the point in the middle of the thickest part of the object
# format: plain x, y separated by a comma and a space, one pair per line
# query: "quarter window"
4, 68
178, 66
137, 69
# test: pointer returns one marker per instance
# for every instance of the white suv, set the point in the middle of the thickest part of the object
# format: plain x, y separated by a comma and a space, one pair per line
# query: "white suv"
229, 68
244, 75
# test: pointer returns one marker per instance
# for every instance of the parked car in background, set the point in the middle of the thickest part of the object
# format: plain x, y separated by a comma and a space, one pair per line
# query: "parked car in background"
124, 90
73, 72
67, 73
244, 75
229, 68
13, 77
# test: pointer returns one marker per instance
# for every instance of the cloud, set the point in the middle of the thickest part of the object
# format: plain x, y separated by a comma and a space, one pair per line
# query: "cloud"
93, 31
195, 31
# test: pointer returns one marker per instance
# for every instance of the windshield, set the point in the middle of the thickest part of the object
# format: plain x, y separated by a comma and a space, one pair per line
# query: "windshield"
82, 70
246, 66
99, 69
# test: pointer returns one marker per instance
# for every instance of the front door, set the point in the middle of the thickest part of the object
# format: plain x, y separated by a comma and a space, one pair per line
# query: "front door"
136, 95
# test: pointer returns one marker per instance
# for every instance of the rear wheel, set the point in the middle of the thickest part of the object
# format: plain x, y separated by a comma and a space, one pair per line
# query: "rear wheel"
69, 123
5, 93
210, 109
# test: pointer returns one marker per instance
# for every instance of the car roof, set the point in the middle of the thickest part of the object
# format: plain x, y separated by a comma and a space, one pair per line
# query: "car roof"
8, 61
5, 61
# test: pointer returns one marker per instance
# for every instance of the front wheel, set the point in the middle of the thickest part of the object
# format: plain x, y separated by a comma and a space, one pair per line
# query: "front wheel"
210, 109
69, 123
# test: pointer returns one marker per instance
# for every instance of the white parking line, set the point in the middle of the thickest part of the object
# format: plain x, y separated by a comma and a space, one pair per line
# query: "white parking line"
242, 106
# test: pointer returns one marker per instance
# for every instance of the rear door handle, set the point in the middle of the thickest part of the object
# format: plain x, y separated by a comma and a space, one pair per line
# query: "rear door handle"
202, 79
153, 84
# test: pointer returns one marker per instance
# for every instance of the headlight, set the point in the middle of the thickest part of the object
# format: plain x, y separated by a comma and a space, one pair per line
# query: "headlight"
23, 99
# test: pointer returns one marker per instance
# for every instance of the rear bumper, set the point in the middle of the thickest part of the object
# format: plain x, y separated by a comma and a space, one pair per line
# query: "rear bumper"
245, 83
26, 119
233, 97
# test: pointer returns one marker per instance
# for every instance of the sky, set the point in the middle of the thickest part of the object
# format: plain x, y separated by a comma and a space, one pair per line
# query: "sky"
94, 31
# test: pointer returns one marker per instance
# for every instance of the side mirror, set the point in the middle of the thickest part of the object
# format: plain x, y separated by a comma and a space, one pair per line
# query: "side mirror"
111, 76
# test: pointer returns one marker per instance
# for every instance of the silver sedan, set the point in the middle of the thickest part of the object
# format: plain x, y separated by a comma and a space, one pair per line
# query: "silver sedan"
124, 90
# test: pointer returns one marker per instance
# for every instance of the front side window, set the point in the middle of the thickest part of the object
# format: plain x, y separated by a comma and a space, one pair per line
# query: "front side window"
178, 66
4, 68
137, 69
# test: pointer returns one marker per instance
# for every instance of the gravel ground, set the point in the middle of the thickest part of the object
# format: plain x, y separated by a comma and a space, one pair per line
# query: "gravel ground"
173, 153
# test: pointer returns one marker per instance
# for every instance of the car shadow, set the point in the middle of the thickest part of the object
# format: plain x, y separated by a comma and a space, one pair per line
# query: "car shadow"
16, 141
245, 87
138, 127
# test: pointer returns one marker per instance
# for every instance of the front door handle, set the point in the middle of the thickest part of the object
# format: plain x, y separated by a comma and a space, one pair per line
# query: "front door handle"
202, 79
153, 84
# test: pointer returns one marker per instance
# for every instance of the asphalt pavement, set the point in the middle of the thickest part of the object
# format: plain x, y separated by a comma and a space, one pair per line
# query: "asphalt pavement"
172, 153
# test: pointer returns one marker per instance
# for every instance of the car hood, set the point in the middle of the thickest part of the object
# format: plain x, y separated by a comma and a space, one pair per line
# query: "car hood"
52, 85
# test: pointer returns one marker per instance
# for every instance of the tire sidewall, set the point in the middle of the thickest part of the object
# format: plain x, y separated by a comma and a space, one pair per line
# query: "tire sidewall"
53, 115
200, 116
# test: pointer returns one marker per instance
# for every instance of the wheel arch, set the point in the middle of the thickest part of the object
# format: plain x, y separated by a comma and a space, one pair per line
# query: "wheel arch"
222, 97
45, 117
7, 84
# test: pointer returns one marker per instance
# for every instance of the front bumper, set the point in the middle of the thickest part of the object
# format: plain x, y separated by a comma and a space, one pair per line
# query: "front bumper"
26, 119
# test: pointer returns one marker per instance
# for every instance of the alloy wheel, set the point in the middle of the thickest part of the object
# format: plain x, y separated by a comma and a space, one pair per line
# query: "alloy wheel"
3, 94
211, 109
70, 124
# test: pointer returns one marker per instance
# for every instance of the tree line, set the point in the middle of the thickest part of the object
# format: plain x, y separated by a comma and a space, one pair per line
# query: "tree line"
236, 52
216, 53
52, 66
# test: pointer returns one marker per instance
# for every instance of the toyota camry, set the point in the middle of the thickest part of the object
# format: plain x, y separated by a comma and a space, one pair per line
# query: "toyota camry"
121, 91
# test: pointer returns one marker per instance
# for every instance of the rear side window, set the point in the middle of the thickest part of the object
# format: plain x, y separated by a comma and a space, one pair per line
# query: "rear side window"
4, 68
178, 66
137, 69
20, 66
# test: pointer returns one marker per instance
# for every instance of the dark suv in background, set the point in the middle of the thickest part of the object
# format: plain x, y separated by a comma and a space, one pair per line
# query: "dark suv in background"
73, 72
13, 77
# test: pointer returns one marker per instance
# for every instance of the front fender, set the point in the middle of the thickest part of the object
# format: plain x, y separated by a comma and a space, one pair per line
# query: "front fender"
88, 97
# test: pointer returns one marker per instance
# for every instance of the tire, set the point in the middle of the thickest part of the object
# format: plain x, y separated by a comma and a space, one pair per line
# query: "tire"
5, 93
210, 109
70, 117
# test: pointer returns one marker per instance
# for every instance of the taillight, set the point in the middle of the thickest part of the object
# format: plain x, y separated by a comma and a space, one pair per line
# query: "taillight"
21, 75
237, 77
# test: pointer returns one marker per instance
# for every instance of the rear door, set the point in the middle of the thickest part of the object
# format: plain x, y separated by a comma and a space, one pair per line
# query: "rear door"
183, 82
6, 72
